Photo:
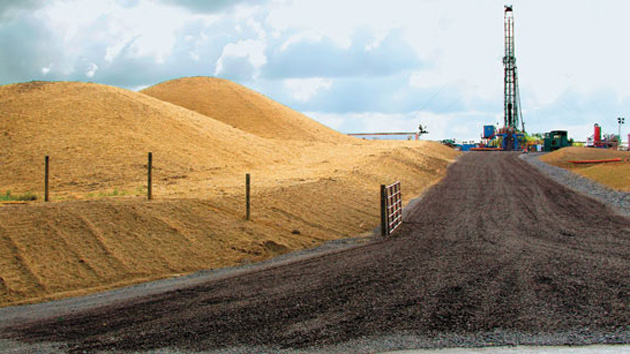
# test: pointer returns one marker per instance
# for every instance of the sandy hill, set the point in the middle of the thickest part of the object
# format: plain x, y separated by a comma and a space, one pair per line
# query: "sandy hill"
242, 108
304, 192
95, 133
615, 175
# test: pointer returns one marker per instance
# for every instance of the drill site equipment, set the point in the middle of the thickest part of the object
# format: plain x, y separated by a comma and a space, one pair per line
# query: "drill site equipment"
511, 137
556, 139
608, 141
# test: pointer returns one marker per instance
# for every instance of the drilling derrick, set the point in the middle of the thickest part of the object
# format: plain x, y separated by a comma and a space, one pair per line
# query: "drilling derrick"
510, 137
512, 109
512, 99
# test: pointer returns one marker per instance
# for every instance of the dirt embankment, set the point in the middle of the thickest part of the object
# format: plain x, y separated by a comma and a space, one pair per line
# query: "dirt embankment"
496, 251
99, 233
71, 248
614, 175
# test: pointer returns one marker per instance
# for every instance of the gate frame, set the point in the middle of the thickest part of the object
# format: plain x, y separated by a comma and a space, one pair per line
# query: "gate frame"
391, 208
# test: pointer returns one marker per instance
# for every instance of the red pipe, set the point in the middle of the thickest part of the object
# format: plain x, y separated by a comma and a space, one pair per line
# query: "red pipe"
485, 149
595, 161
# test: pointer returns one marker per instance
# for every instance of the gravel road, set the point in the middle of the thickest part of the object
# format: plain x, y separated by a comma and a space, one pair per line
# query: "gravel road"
495, 254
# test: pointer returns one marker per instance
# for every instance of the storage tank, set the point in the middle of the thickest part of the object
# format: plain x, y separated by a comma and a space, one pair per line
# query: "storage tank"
598, 134
488, 131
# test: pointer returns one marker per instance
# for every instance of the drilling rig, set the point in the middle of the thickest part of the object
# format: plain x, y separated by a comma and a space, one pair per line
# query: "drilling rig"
512, 137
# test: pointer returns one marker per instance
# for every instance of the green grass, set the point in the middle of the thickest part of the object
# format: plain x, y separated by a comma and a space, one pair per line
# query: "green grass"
114, 193
105, 194
8, 197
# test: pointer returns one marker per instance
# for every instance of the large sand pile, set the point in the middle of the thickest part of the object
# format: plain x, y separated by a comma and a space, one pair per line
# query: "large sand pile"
97, 134
615, 175
304, 192
242, 108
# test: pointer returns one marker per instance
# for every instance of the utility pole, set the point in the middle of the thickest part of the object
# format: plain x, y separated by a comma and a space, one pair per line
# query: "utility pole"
621, 120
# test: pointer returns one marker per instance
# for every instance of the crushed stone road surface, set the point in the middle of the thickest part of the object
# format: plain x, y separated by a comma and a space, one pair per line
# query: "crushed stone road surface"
494, 254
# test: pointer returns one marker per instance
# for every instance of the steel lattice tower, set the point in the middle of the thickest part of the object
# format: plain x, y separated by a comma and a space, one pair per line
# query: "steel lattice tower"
512, 100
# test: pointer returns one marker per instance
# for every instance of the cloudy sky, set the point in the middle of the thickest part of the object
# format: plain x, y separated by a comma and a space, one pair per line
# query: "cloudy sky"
354, 65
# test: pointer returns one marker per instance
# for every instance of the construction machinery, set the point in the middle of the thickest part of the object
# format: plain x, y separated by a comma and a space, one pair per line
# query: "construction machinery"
556, 139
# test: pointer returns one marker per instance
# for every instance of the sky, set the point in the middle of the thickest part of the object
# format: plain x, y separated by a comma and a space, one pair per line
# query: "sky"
353, 65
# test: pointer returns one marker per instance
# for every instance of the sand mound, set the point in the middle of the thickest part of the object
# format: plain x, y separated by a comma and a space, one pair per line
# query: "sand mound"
95, 134
242, 108
98, 137
614, 175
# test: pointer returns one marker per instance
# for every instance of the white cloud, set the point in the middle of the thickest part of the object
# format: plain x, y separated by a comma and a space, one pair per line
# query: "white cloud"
376, 42
112, 52
91, 70
304, 36
304, 89
252, 50
258, 28
146, 29
46, 69
337, 20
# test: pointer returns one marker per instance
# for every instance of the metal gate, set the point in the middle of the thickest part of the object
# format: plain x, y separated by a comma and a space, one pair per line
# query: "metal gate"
391, 208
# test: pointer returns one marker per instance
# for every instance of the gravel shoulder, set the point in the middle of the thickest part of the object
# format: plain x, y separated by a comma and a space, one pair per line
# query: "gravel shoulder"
496, 254
619, 201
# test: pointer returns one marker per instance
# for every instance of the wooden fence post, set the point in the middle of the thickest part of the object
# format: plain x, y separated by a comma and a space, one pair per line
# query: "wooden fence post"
247, 197
46, 176
149, 182
383, 210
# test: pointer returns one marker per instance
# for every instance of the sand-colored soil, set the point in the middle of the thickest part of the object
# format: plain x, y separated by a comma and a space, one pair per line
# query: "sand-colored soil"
242, 108
305, 192
615, 175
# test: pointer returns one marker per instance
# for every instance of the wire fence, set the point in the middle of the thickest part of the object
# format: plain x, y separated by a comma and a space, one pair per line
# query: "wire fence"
391, 196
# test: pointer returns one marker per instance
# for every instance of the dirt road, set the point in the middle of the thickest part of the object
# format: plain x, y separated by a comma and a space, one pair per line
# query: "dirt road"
494, 248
